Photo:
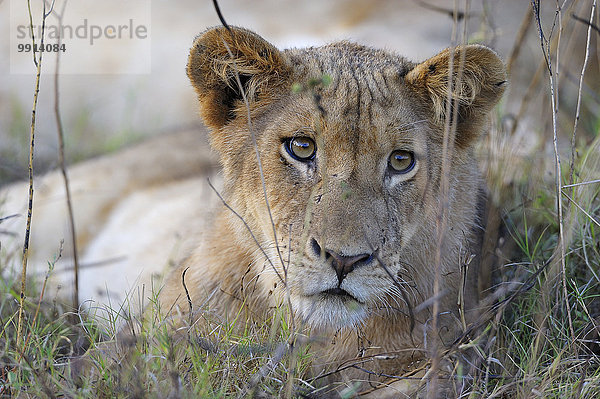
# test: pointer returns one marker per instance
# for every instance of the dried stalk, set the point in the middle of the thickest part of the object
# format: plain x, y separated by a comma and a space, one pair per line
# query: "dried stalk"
293, 328
63, 168
262, 178
450, 126
582, 183
559, 182
586, 213
279, 355
251, 130
38, 64
583, 68
557, 162
531, 89
593, 26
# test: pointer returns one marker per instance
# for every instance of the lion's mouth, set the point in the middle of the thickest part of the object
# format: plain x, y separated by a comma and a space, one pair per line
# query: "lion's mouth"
340, 293
331, 308
336, 291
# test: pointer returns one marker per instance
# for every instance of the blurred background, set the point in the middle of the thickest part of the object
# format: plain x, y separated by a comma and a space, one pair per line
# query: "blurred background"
129, 94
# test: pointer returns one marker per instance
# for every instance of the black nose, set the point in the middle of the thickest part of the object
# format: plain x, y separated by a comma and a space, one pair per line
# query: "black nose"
342, 264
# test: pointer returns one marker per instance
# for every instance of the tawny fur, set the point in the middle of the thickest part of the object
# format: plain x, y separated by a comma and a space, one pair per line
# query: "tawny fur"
345, 201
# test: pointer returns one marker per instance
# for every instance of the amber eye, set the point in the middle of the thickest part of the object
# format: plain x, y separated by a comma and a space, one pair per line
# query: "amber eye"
402, 161
301, 148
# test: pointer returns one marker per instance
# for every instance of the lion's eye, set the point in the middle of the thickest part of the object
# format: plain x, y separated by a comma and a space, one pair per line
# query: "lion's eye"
402, 161
301, 148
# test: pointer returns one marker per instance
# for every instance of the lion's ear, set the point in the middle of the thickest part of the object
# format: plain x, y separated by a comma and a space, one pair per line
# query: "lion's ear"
479, 79
217, 56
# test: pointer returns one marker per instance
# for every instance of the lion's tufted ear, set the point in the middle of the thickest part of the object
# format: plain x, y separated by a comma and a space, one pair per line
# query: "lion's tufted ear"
479, 78
217, 56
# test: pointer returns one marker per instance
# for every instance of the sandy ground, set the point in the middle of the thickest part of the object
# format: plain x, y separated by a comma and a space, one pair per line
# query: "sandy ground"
108, 105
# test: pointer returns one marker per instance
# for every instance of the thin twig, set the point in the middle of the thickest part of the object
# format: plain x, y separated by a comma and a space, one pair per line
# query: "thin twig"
260, 167
252, 135
558, 175
589, 23
411, 314
2, 219
31, 31
50, 269
90, 265
38, 64
582, 183
247, 228
581, 209
220, 15
62, 163
555, 105
529, 93
450, 126
453, 13
281, 350
583, 68
242, 91
187, 294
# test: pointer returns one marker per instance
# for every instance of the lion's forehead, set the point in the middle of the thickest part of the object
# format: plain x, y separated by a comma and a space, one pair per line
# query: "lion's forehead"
357, 74
340, 57
364, 101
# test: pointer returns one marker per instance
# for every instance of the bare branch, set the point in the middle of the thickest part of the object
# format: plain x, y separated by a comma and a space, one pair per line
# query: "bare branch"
62, 163
254, 143
582, 183
589, 23
47, 14
583, 68
247, 228
187, 293
581, 209
5, 218
38, 64
220, 15
558, 174
450, 126
453, 13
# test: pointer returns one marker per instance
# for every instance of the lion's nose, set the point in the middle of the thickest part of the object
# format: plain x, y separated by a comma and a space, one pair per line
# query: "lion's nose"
342, 264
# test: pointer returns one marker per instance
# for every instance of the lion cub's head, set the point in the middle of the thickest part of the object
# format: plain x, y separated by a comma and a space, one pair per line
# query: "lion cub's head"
350, 141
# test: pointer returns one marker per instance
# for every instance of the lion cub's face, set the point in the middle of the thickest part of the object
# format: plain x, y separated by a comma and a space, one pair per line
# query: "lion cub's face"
350, 142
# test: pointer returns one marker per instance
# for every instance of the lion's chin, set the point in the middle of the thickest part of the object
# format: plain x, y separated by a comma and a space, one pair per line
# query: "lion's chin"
330, 311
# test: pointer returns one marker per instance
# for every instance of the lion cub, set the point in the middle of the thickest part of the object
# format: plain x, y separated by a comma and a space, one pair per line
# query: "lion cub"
334, 168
